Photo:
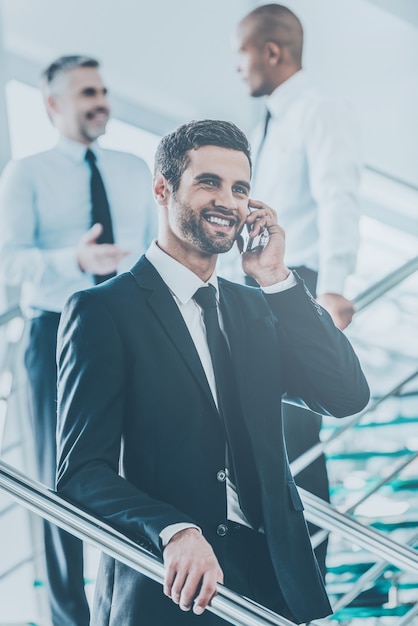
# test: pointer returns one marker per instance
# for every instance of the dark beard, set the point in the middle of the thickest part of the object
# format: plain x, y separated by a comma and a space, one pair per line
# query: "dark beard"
192, 227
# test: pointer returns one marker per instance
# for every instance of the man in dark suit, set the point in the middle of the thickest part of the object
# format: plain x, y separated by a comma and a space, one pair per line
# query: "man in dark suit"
154, 439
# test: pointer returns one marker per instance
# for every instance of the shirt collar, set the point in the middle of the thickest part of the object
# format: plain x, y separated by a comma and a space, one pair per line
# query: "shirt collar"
181, 281
279, 99
76, 150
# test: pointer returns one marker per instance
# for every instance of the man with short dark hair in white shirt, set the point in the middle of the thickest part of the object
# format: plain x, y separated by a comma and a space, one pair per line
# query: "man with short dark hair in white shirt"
307, 165
53, 244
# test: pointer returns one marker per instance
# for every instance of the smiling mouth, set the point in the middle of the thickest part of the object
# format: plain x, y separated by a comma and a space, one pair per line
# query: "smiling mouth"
220, 221
97, 115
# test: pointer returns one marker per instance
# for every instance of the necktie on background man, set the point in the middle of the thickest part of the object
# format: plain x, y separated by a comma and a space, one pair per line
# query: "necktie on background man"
256, 157
240, 458
267, 118
100, 210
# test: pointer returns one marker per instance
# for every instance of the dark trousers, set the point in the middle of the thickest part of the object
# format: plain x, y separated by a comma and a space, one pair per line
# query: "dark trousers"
247, 567
301, 429
63, 552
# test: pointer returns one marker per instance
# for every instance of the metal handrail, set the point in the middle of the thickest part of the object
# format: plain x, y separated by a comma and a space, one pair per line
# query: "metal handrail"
397, 469
305, 459
392, 177
406, 619
226, 604
361, 301
10, 314
325, 515
384, 285
367, 578
32, 495
321, 535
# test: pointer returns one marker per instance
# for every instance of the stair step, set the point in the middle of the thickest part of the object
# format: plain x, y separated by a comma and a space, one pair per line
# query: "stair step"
400, 420
377, 596
395, 524
396, 485
358, 455
355, 612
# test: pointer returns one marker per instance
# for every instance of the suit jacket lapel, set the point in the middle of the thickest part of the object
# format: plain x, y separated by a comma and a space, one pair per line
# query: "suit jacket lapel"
167, 312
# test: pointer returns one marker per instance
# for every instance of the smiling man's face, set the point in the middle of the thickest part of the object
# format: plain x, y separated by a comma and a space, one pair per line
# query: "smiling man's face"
78, 105
209, 209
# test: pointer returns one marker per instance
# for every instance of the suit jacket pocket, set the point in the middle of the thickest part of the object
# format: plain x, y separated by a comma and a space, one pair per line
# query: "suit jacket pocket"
295, 498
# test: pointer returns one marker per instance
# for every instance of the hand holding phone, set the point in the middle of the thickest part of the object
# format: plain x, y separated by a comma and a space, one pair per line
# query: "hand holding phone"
263, 247
251, 243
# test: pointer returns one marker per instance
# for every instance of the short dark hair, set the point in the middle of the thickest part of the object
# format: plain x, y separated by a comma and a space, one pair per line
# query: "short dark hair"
275, 22
64, 64
172, 155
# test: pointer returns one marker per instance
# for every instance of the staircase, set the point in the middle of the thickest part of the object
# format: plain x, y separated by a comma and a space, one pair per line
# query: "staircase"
373, 469
384, 447
373, 466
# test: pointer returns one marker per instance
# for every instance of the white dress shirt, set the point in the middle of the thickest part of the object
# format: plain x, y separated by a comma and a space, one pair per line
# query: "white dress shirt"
308, 170
183, 284
45, 208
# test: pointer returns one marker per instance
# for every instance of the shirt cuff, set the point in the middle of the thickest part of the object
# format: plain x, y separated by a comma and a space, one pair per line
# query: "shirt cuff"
332, 279
285, 284
63, 263
168, 532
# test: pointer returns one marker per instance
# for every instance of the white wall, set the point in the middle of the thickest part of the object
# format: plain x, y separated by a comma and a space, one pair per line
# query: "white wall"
174, 59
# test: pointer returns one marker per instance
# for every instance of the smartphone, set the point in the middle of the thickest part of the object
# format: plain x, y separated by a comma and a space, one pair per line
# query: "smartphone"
260, 240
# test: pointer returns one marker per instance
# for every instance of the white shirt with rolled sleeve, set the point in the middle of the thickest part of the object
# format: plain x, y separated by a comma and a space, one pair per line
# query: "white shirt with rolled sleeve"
45, 208
308, 169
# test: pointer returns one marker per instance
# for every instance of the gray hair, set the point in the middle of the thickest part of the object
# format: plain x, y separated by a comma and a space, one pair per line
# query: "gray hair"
61, 66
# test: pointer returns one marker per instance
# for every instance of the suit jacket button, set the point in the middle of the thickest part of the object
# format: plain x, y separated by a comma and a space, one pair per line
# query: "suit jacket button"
222, 530
221, 476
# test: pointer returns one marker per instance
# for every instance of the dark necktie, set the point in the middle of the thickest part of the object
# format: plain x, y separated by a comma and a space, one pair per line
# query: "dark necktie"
239, 452
100, 211
256, 157
266, 124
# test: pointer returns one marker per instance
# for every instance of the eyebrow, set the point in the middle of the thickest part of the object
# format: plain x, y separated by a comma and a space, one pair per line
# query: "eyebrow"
200, 177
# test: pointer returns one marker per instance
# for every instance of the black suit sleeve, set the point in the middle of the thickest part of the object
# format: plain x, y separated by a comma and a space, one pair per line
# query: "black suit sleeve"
92, 374
321, 367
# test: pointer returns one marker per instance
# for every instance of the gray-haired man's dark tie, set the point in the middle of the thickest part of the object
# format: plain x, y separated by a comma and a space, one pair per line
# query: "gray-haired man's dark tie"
100, 210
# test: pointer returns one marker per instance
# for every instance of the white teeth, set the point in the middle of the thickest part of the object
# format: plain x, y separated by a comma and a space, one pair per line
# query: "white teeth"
220, 221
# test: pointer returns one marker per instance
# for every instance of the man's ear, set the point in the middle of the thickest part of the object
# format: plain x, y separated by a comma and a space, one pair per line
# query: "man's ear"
51, 105
161, 189
273, 52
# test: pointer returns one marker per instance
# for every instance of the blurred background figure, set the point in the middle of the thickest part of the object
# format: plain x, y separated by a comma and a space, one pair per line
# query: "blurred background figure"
70, 217
307, 166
